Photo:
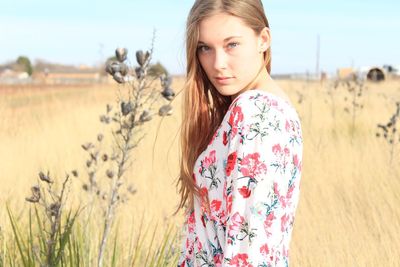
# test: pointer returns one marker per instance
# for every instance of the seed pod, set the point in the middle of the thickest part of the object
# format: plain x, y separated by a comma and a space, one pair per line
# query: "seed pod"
165, 80
139, 73
35, 194
126, 108
165, 110
54, 209
121, 54
131, 189
142, 58
104, 119
123, 69
110, 174
118, 77
168, 93
105, 157
45, 178
100, 137
145, 116
75, 173
85, 187
109, 69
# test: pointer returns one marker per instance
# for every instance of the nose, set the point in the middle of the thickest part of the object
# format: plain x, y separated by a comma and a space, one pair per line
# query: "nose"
220, 60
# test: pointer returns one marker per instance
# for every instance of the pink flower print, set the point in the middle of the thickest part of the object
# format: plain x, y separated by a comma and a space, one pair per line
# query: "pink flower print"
264, 250
229, 204
295, 160
287, 126
235, 118
251, 165
284, 221
210, 160
236, 223
281, 198
286, 151
199, 245
276, 148
274, 103
268, 222
240, 260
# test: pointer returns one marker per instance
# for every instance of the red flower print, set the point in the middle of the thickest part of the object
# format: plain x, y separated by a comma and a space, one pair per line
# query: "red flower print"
225, 138
218, 259
203, 191
202, 221
231, 163
216, 205
251, 166
191, 222
234, 119
245, 191
210, 160
240, 260
264, 249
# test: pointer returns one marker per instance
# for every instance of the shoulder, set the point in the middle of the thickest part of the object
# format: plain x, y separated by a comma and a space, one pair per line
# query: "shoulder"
258, 115
254, 103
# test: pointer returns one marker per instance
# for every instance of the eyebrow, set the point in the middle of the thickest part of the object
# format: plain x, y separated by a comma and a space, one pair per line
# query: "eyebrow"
226, 39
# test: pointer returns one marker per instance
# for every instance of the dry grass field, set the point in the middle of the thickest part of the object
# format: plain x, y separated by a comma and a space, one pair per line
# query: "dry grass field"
349, 212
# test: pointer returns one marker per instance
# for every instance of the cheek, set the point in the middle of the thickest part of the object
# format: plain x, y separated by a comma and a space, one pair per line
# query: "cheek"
205, 64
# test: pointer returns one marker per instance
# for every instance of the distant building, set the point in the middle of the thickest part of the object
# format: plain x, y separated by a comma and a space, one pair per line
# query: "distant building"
9, 76
371, 73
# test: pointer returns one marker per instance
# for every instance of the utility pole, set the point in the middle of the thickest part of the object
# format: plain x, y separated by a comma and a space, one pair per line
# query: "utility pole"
317, 65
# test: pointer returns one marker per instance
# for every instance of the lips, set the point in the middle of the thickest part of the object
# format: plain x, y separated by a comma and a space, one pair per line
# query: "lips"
223, 80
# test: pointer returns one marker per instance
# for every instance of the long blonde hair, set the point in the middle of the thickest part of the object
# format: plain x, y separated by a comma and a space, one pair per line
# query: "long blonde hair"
203, 108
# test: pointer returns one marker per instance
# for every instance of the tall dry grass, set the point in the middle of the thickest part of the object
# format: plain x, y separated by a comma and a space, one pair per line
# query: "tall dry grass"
348, 213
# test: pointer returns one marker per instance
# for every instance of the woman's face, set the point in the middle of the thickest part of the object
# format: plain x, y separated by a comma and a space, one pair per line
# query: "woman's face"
229, 52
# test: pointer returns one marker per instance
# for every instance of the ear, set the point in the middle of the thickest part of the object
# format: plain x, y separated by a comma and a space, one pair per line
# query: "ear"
264, 39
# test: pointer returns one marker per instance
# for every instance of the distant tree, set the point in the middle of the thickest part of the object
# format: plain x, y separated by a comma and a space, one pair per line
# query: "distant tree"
25, 64
157, 69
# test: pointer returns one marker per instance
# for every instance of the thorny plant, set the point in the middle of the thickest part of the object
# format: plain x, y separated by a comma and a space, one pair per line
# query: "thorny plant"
353, 99
389, 130
126, 123
53, 232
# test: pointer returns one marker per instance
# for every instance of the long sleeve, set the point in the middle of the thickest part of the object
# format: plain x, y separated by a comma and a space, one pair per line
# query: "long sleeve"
262, 182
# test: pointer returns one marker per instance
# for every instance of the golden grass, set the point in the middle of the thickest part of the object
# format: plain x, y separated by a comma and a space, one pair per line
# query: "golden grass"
348, 213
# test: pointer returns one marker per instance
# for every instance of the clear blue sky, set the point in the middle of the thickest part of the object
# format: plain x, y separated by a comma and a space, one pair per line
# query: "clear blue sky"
352, 33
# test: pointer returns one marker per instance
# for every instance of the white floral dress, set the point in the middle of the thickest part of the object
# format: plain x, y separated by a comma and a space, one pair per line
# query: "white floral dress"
251, 173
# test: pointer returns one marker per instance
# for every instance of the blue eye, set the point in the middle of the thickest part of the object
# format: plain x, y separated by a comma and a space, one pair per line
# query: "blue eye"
201, 48
234, 44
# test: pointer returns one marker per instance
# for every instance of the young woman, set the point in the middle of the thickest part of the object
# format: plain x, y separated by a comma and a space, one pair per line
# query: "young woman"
241, 142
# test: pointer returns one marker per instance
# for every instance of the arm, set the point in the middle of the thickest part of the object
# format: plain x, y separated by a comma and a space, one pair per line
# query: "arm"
263, 175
